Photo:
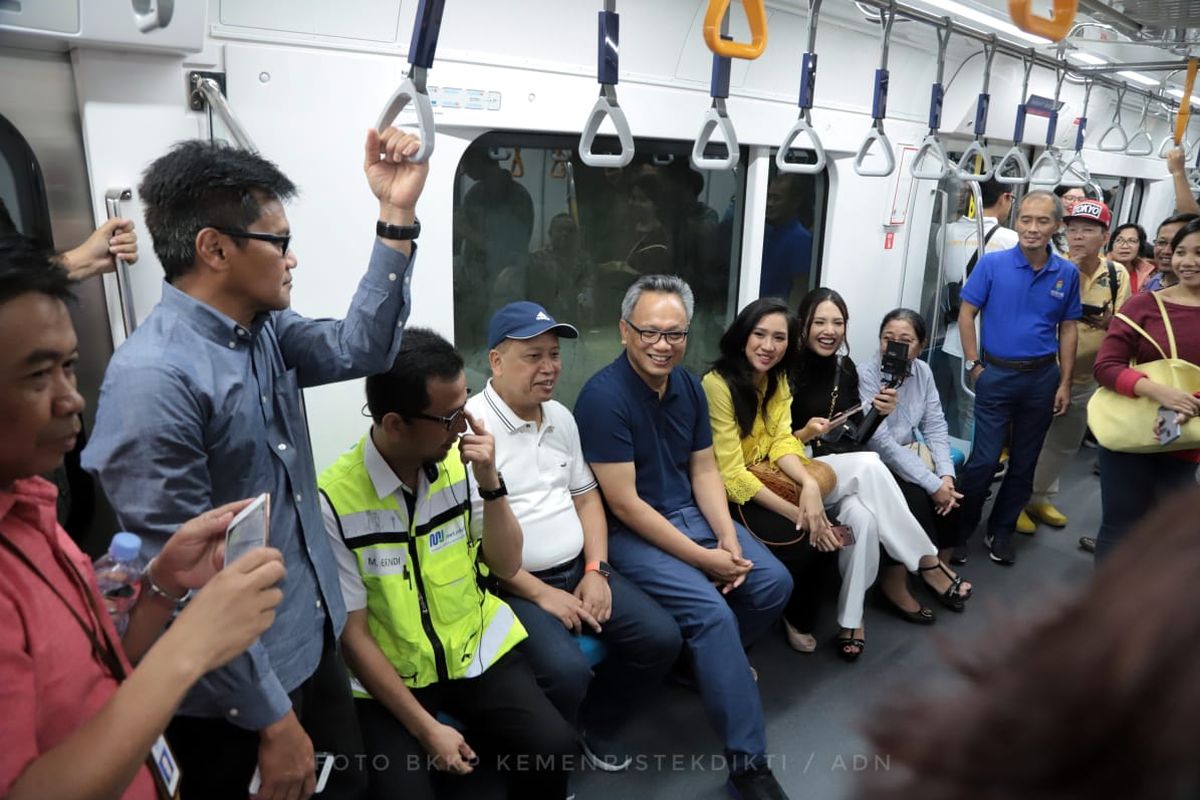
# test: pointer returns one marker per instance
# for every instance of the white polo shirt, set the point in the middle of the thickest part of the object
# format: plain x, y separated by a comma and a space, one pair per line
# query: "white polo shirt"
962, 242
543, 469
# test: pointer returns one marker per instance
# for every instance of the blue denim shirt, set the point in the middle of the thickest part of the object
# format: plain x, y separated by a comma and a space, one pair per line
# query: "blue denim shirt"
196, 411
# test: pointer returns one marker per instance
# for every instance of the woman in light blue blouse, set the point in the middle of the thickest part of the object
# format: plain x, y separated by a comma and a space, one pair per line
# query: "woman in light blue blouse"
913, 440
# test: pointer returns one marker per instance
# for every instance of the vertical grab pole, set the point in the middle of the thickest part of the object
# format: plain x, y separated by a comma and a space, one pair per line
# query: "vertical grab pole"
112, 204
803, 126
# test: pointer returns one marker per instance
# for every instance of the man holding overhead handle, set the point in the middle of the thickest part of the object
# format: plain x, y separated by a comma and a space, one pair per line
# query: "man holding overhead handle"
202, 405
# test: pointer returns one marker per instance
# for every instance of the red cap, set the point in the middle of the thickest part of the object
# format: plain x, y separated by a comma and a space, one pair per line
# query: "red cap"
1092, 211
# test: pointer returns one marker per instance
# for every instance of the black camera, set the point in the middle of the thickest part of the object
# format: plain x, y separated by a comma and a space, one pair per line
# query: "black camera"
893, 365
853, 434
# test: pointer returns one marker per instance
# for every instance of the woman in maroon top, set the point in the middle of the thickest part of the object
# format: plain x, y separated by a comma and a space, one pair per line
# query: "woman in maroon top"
1133, 483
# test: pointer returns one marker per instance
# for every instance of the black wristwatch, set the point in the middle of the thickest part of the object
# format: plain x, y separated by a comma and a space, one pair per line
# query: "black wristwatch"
494, 494
400, 233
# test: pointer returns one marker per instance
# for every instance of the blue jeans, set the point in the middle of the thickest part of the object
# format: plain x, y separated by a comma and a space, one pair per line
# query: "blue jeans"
641, 638
1131, 486
1015, 408
716, 628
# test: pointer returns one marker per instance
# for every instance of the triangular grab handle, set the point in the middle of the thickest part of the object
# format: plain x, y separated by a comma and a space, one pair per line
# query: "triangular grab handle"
604, 108
1140, 144
1013, 158
1118, 146
1047, 163
1075, 173
712, 120
405, 94
966, 170
874, 135
801, 128
930, 149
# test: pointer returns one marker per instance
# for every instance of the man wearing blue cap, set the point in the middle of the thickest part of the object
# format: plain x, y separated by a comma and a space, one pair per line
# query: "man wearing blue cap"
565, 587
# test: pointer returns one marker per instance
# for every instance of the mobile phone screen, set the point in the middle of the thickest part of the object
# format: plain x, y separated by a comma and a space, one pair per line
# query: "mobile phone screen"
249, 529
1170, 429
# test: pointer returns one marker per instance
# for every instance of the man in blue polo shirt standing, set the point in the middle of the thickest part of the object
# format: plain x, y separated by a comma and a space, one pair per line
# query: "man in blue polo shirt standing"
1029, 300
643, 422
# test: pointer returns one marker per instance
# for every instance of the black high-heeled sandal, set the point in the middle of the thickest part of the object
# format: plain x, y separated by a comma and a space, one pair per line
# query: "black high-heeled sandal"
922, 616
845, 647
952, 597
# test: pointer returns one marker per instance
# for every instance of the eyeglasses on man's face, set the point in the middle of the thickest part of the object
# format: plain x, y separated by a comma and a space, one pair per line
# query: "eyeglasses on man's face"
282, 241
450, 422
653, 335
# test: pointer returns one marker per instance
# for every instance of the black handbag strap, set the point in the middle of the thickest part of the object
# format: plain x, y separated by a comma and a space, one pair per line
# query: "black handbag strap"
987, 237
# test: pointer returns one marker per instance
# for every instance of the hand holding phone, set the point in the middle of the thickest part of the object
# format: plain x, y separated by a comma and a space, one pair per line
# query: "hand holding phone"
844, 533
249, 529
1167, 427
324, 763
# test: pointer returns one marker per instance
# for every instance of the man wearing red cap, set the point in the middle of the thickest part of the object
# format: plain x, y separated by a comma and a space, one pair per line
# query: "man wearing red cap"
1103, 288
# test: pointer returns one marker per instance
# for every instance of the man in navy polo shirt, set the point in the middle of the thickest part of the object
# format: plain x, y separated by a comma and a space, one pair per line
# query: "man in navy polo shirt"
1029, 299
644, 427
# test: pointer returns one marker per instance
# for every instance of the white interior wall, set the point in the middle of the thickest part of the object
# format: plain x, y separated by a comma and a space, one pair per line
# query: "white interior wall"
307, 99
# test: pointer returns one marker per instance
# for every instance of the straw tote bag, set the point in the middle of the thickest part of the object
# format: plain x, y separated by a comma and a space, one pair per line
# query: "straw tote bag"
1126, 424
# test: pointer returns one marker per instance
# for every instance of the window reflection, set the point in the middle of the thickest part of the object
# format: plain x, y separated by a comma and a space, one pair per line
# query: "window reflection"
791, 251
532, 222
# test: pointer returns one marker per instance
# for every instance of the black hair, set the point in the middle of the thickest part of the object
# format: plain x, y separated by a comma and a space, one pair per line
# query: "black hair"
1062, 189
912, 318
1144, 250
27, 267
1193, 226
403, 389
199, 185
991, 191
808, 309
1175, 219
733, 366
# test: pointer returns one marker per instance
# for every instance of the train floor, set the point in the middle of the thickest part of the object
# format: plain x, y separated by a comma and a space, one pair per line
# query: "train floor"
816, 704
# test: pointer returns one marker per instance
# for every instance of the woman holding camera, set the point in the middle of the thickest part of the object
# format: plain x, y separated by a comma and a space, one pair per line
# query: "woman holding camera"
866, 499
913, 441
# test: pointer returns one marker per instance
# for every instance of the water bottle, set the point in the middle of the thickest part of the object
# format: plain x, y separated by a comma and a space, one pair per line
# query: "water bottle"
119, 575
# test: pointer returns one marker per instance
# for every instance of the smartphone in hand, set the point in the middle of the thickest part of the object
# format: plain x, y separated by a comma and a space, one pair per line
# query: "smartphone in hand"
249, 529
844, 533
1169, 430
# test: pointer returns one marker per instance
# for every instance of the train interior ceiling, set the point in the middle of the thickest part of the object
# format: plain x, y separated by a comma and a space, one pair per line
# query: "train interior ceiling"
92, 90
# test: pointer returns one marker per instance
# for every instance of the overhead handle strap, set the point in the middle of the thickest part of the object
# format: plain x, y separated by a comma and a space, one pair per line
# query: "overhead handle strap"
1047, 167
421, 51
608, 36
717, 116
1081, 131
1014, 162
716, 30
1140, 144
1053, 28
876, 134
976, 156
1168, 141
803, 126
1121, 142
931, 162
1075, 172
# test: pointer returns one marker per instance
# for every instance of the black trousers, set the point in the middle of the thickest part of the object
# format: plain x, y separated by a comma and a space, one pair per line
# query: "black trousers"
944, 531
218, 759
510, 725
809, 567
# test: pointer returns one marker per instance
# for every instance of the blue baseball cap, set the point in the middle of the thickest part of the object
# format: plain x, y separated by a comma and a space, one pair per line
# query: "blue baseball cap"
525, 320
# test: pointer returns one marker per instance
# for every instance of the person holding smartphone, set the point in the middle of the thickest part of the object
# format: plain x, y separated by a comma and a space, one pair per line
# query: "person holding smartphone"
1103, 289
866, 498
1131, 484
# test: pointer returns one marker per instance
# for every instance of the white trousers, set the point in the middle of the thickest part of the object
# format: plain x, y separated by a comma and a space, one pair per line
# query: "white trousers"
868, 500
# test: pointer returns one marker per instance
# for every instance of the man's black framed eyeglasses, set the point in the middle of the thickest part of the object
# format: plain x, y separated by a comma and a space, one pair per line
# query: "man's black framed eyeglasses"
283, 241
449, 421
652, 335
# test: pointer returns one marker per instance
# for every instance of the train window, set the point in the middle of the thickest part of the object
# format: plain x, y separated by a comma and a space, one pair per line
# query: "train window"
792, 234
23, 206
532, 222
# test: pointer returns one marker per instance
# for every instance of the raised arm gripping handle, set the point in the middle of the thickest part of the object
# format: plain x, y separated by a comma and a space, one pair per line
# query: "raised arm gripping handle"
410, 92
1054, 28
756, 15
606, 107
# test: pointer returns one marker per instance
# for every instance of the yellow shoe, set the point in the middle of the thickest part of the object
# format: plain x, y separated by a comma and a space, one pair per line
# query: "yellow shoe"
1047, 513
1025, 524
